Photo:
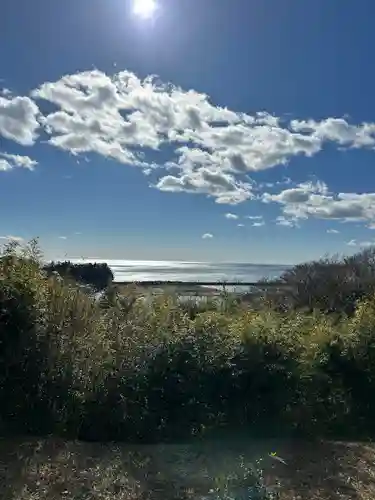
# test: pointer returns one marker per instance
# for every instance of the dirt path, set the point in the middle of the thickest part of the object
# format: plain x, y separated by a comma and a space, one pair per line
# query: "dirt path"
34, 469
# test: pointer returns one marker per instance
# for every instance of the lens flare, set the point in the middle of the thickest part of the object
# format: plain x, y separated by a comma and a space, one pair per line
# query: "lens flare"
144, 8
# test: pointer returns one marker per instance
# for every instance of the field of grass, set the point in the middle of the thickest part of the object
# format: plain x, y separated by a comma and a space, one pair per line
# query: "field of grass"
299, 367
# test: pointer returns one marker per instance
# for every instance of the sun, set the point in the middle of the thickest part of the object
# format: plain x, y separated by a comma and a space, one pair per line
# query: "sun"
144, 8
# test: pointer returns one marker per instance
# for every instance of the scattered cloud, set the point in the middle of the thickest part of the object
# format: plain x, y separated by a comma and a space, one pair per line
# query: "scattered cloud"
363, 244
258, 224
5, 92
281, 220
314, 200
109, 115
17, 239
254, 217
5, 165
223, 187
77, 233
298, 195
240, 225
338, 130
212, 150
333, 231
207, 236
19, 119
63, 238
286, 181
8, 162
231, 216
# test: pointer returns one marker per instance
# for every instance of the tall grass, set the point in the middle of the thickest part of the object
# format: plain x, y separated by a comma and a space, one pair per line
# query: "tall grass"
125, 369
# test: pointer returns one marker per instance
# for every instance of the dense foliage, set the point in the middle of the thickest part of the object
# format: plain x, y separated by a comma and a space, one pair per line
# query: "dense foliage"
332, 285
126, 368
99, 276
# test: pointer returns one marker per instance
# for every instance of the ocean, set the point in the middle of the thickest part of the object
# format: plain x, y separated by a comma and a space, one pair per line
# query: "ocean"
136, 270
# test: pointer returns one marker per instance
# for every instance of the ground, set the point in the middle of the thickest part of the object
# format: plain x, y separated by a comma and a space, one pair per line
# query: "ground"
41, 469
180, 290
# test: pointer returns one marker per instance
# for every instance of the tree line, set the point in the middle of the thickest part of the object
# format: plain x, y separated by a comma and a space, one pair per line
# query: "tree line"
99, 276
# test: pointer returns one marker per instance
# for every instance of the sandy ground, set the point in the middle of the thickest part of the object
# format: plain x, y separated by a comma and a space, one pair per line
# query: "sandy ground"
32, 469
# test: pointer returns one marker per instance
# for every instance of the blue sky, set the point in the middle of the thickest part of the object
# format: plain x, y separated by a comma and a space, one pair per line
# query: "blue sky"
225, 130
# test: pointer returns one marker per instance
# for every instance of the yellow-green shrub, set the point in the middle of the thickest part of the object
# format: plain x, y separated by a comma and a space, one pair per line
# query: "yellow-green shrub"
128, 368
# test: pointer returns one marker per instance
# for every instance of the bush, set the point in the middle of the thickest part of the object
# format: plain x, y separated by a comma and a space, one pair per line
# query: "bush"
127, 368
22, 356
331, 285
99, 276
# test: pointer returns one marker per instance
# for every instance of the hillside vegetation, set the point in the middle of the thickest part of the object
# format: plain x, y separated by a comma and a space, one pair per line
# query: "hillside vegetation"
98, 276
125, 369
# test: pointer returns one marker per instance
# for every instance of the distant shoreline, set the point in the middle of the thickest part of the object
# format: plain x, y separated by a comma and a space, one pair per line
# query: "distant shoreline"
186, 289
195, 288
215, 284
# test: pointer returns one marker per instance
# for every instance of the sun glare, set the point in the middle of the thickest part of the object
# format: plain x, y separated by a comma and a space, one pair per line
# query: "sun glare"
144, 8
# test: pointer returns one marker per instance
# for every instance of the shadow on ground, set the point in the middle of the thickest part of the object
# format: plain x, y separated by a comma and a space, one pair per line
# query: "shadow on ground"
33, 469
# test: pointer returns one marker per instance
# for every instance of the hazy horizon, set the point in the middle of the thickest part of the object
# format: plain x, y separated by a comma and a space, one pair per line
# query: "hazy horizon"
133, 270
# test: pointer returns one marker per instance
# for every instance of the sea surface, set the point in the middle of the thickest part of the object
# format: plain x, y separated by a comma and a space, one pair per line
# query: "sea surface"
136, 270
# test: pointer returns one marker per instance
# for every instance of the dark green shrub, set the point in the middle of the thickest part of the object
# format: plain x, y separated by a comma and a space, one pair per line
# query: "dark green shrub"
331, 285
99, 276
134, 369
22, 349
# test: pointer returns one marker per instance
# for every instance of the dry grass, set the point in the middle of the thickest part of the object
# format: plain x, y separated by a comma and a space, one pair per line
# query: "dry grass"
55, 469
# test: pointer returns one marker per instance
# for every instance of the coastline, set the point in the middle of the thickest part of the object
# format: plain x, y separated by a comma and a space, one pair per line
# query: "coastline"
181, 289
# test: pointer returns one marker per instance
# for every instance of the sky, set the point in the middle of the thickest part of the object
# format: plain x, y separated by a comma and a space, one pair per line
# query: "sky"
197, 130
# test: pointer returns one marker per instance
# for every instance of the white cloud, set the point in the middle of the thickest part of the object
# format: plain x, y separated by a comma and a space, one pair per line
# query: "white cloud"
5, 92
242, 148
363, 244
8, 162
254, 217
125, 118
219, 185
19, 119
117, 117
352, 243
298, 195
63, 238
258, 224
314, 200
207, 236
240, 225
333, 231
121, 111
5, 165
17, 239
281, 220
339, 131
284, 182
231, 216
211, 149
